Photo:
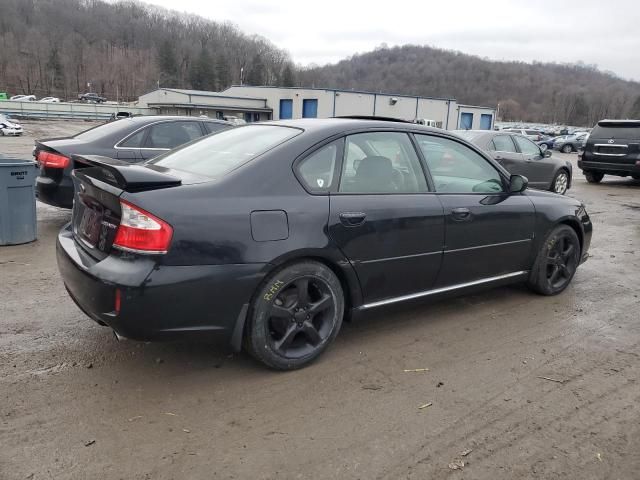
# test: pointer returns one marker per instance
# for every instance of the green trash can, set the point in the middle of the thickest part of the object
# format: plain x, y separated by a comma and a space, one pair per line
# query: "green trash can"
17, 201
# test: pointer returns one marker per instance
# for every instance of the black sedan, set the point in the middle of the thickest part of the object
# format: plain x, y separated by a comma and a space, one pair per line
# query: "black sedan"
269, 235
130, 139
521, 156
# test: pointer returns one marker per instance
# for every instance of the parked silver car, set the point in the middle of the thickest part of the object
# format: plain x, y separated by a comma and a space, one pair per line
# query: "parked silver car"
521, 156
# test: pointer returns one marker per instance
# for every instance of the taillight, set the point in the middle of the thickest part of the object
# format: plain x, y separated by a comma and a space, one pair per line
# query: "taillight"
139, 231
52, 160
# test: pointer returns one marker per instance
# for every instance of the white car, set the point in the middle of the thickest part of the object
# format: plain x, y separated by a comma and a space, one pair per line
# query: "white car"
23, 98
9, 127
50, 100
531, 134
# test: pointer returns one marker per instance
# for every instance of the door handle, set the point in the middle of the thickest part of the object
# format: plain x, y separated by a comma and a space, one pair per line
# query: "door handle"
461, 214
352, 219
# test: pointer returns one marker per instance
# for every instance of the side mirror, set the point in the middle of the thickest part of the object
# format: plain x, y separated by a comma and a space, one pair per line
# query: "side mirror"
547, 153
517, 183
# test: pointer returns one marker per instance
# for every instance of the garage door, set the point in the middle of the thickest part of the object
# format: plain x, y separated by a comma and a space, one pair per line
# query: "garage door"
466, 121
286, 109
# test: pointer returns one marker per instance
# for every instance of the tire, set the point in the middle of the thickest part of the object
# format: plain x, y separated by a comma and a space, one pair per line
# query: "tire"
295, 315
543, 147
566, 148
556, 262
635, 177
560, 182
593, 177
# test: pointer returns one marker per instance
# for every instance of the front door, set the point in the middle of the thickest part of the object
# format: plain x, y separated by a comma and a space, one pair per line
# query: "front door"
537, 168
488, 232
384, 219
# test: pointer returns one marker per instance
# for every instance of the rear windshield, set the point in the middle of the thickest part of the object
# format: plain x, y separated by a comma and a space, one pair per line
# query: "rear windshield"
218, 154
469, 134
624, 132
104, 130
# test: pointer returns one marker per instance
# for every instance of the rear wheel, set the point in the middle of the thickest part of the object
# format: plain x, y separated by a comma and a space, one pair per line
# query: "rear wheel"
567, 148
556, 262
543, 147
560, 182
296, 314
594, 177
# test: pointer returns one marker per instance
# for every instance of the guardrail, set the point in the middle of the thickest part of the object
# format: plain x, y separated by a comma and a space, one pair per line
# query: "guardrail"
71, 110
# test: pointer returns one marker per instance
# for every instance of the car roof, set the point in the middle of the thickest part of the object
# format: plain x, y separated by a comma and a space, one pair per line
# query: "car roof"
336, 125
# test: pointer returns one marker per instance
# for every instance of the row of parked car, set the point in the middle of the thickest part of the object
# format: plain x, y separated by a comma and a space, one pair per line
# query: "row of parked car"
89, 97
566, 143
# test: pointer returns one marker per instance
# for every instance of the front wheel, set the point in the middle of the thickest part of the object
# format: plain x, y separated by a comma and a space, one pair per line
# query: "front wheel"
556, 262
296, 314
594, 177
567, 149
560, 182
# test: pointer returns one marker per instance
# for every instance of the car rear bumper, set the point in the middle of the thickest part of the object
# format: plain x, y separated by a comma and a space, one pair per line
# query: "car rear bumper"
157, 302
58, 194
610, 168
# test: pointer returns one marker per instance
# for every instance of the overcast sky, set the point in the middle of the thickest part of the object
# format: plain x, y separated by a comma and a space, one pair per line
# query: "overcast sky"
605, 33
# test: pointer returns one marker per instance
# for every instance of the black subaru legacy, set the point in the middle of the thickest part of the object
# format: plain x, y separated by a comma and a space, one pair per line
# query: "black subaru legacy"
132, 139
269, 235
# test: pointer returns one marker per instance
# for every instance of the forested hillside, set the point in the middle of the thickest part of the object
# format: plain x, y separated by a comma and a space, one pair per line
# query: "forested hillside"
571, 94
124, 49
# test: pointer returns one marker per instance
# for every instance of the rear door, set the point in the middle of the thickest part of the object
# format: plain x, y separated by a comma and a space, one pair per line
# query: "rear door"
504, 151
383, 217
488, 232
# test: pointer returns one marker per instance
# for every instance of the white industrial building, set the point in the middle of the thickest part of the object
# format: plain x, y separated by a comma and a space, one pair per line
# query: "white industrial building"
266, 103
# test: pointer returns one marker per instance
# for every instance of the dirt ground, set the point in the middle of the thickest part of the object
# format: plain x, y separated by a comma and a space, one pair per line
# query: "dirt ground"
76, 404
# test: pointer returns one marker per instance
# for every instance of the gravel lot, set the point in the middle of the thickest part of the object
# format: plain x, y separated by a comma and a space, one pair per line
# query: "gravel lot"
76, 404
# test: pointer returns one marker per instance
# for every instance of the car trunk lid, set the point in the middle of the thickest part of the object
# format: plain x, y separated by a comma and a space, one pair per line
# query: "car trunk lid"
99, 183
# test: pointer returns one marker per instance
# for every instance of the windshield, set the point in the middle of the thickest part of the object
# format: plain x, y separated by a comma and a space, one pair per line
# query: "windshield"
218, 154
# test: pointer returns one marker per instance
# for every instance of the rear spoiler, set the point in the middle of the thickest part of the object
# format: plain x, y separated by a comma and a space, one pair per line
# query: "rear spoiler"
130, 177
619, 123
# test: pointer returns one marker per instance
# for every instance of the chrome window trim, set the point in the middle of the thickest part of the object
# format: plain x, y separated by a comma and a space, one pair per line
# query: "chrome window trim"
436, 291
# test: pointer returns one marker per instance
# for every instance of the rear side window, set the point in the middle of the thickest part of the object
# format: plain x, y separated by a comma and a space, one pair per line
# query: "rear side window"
503, 143
317, 171
212, 127
381, 162
218, 154
172, 134
135, 140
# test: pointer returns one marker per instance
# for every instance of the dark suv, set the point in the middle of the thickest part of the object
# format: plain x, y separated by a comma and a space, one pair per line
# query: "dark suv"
613, 148
91, 98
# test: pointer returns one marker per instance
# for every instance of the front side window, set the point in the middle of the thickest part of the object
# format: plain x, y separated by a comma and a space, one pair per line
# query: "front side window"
503, 143
172, 134
456, 168
216, 155
381, 162
526, 146
317, 170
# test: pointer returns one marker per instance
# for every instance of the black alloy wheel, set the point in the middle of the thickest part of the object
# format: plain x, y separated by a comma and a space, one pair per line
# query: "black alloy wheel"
557, 261
296, 314
567, 148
